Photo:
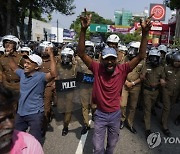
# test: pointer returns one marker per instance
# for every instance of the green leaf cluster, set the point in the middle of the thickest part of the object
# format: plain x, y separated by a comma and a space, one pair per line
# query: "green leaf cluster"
96, 19
13, 13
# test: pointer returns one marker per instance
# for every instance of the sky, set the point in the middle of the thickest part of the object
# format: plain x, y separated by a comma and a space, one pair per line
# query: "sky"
105, 8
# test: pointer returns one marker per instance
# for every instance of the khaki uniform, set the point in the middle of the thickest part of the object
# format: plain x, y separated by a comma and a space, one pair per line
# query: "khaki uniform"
49, 90
170, 92
151, 85
159, 98
121, 57
85, 91
65, 99
130, 95
7, 75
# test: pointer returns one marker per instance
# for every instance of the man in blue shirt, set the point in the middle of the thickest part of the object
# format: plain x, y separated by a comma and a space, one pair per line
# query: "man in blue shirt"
32, 84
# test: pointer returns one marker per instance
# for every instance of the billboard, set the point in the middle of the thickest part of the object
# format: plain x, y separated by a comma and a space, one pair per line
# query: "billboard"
159, 11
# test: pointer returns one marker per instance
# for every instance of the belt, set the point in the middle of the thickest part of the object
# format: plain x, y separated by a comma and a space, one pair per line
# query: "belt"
151, 88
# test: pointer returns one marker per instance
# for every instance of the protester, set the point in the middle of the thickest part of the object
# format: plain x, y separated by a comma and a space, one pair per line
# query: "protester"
109, 78
32, 84
13, 141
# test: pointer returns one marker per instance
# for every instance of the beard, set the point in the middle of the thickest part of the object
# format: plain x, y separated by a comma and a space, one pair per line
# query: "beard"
109, 69
5, 137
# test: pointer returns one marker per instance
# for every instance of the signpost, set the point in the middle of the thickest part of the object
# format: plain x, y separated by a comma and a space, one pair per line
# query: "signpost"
159, 11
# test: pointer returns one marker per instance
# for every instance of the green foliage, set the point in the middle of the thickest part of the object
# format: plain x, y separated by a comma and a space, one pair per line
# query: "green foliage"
176, 43
130, 37
96, 19
133, 20
173, 4
13, 13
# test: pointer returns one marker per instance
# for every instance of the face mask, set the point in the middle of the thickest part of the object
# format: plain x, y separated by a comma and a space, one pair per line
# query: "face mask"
132, 52
66, 59
90, 52
154, 61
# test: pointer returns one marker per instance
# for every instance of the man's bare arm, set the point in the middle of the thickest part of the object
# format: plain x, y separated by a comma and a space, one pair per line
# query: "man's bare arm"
145, 26
85, 22
53, 71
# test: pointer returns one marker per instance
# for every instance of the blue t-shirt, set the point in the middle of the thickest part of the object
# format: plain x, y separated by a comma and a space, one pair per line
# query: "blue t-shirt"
31, 93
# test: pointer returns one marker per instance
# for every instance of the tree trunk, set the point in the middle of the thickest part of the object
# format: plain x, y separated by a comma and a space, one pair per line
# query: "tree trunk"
22, 36
8, 24
2, 24
30, 21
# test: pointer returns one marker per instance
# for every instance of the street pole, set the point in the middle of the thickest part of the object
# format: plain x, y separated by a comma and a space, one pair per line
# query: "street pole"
169, 33
57, 32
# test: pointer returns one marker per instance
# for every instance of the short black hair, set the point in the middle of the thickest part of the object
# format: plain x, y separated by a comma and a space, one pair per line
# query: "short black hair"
7, 98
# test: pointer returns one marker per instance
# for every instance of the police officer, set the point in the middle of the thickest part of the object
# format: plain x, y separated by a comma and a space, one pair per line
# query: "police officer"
26, 51
7, 76
85, 85
163, 50
170, 90
112, 41
49, 89
131, 89
122, 52
65, 86
153, 75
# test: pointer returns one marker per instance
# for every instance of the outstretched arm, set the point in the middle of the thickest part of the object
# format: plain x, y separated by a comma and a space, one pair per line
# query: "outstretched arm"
85, 22
53, 72
145, 26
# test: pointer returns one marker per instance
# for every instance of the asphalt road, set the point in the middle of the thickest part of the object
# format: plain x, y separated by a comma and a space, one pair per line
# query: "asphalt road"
129, 143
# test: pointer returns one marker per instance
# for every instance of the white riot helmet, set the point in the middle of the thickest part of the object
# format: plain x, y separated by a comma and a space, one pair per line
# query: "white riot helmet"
26, 49
134, 44
154, 57
89, 43
154, 52
113, 38
123, 48
90, 48
162, 48
67, 55
11, 38
133, 49
42, 46
67, 51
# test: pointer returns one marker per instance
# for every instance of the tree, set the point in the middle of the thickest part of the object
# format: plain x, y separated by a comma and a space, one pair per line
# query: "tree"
172, 4
13, 13
133, 20
175, 4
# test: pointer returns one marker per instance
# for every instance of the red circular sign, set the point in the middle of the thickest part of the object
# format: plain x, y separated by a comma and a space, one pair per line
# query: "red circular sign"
158, 12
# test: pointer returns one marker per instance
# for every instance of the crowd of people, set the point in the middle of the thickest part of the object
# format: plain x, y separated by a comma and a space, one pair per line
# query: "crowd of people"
108, 85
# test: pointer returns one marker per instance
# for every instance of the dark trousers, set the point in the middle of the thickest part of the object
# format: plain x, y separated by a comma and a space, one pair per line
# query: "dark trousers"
33, 121
110, 122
